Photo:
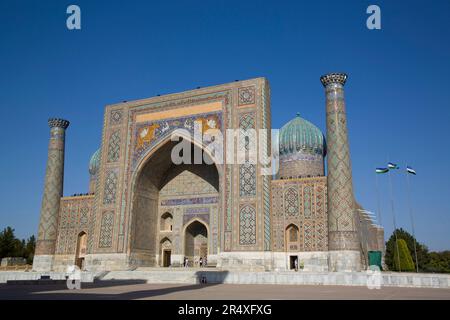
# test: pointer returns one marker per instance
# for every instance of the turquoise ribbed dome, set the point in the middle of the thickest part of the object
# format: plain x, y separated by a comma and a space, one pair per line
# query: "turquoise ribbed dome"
94, 163
301, 135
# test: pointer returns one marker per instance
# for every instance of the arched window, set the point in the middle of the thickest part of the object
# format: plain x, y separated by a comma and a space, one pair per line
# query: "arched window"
166, 222
293, 234
292, 238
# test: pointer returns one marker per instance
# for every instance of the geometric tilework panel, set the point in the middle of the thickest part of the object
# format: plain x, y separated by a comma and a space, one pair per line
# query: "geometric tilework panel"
74, 218
247, 225
308, 197
246, 96
247, 178
291, 202
307, 201
106, 230
110, 188
309, 234
320, 200
247, 171
84, 216
114, 147
53, 188
277, 217
341, 205
116, 117
246, 121
321, 236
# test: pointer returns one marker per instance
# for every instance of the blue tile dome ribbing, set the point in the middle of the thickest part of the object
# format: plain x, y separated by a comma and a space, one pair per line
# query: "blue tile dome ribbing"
94, 163
301, 135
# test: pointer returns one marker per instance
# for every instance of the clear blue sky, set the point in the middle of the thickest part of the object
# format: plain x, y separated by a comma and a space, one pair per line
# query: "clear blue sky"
398, 92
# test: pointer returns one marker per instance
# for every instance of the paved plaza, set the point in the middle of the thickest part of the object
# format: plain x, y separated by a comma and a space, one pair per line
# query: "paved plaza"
136, 290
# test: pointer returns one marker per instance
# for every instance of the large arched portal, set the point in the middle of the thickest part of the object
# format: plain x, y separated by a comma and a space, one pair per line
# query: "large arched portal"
166, 198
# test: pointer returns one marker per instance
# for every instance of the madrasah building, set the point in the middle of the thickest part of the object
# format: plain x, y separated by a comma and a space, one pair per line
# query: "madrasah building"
144, 210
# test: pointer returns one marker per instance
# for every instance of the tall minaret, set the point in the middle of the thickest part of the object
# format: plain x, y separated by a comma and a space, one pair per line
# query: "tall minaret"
343, 240
53, 191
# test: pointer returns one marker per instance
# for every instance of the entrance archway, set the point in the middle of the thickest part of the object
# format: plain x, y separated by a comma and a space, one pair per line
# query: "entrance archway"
166, 252
196, 243
81, 250
292, 237
166, 222
164, 196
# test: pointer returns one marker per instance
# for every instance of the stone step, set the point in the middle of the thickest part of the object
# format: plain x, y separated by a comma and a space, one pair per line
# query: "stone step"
36, 282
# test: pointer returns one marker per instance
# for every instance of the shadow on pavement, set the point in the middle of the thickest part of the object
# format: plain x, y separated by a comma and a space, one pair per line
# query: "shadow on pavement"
60, 291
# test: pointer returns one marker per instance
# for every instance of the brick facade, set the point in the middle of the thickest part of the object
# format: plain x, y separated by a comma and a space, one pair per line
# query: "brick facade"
147, 211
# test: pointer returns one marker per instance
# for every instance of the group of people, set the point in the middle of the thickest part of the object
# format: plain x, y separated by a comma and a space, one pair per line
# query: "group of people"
200, 262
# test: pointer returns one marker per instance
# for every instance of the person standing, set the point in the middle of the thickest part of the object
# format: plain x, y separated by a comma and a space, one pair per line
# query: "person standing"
201, 262
296, 264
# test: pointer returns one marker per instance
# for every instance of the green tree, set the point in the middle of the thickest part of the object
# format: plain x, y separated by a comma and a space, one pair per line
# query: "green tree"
19, 248
402, 257
422, 251
10, 246
29, 249
439, 262
8, 243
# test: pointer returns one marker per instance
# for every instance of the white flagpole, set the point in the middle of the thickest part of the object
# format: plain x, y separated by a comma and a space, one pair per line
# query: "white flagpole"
379, 204
378, 199
393, 218
411, 217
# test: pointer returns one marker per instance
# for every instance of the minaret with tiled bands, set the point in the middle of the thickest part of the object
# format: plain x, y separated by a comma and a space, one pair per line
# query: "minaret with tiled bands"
343, 240
53, 191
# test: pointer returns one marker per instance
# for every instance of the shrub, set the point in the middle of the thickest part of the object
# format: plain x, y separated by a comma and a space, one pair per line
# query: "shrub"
403, 257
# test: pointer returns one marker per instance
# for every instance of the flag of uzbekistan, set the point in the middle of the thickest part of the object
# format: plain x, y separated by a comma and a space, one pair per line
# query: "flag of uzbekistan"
410, 170
393, 166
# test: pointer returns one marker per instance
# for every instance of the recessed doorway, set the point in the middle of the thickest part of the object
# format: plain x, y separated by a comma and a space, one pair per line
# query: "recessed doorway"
196, 243
81, 250
292, 262
166, 258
